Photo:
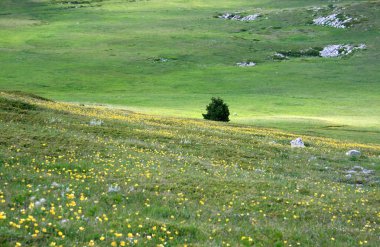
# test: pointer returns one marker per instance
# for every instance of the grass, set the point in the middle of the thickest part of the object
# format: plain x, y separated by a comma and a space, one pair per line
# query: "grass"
141, 180
97, 173
106, 52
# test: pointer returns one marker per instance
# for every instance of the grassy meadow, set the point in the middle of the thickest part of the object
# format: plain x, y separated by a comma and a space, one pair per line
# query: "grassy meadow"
73, 175
102, 141
108, 52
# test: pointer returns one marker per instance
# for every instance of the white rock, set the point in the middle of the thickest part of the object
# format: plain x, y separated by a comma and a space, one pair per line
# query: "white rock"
357, 170
351, 172
246, 64
333, 21
55, 185
366, 171
353, 153
229, 16
185, 141
238, 17
297, 143
115, 188
64, 221
340, 50
279, 56
250, 17
131, 189
40, 202
96, 122
330, 51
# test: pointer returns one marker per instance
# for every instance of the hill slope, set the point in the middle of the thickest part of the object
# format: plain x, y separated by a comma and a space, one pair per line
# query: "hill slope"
73, 175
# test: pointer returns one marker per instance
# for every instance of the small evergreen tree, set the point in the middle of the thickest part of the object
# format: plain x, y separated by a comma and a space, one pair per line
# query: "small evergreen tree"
217, 110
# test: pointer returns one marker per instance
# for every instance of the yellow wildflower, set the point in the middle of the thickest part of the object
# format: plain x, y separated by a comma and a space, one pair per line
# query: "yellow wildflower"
2, 216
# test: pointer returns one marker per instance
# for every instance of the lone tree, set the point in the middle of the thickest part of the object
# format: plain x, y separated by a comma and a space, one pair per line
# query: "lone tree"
217, 110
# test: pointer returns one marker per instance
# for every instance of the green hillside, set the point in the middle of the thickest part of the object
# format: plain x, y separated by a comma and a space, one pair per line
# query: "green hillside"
169, 57
73, 175
102, 141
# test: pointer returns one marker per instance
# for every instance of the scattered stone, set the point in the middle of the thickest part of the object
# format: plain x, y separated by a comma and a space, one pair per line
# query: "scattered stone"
358, 170
115, 188
84, 218
96, 122
229, 16
359, 175
250, 17
55, 185
64, 221
185, 141
340, 50
238, 17
246, 64
279, 56
334, 20
160, 60
131, 189
328, 51
353, 153
40, 202
312, 158
297, 143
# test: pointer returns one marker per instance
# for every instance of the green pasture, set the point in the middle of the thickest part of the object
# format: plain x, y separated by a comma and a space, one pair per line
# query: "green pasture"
108, 52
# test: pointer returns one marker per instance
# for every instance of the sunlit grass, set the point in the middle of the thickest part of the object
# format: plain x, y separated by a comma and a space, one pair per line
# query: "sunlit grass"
142, 180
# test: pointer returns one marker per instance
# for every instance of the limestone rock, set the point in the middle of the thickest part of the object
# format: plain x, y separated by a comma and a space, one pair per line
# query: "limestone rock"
297, 143
238, 17
353, 153
340, 50
334, 20
246, 64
